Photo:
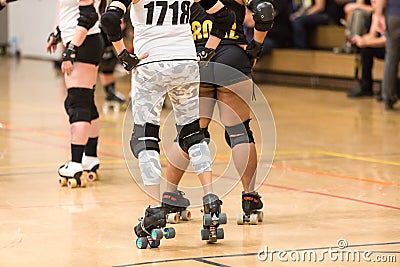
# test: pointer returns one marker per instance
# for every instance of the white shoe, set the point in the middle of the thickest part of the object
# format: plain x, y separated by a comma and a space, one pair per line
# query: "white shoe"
89, 163
70, 170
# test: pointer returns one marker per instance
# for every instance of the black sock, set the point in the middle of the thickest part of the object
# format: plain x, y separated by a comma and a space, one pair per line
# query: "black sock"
91, 147
77, 152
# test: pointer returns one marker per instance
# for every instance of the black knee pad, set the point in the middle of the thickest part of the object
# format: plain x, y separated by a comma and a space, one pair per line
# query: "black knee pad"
239, 134
108, 61
145, 137
189, 135
78, 104
94, 113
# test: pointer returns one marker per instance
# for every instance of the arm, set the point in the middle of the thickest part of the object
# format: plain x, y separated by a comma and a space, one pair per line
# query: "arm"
319, 6
371, 39
379, 8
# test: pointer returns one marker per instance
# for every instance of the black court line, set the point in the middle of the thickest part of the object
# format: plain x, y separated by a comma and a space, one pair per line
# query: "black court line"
211, 263
204, 259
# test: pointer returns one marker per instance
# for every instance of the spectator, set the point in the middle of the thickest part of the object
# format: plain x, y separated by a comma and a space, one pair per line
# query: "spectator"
307, 17
371, 44
390, 22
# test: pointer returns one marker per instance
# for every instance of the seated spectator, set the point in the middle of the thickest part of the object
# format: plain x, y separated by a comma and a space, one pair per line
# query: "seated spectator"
350, 6
371, 45
280, 36
309, 16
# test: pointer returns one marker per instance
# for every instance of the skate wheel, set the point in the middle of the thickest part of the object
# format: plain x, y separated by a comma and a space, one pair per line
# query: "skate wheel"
239, 219
169, 232
260, 214
186, 215
222, 218
157, 234
154, 243
207, 220
205, 234
172, 218
62, 181
92, 176
72, 183
83, 181
142, 242
254, 218
220, 233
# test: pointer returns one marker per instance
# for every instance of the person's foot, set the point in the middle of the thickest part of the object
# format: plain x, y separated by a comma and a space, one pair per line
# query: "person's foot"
379, 97
389, 104
359, 93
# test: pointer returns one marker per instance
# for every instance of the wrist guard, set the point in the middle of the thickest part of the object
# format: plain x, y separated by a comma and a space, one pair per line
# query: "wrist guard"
56, 36
128, 60
204, 56
70, 53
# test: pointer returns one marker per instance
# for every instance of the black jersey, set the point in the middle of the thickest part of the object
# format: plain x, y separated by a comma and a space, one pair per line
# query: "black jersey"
201, 23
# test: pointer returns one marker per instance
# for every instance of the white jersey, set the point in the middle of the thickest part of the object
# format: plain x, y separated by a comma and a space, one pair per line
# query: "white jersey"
162, 29
69, 14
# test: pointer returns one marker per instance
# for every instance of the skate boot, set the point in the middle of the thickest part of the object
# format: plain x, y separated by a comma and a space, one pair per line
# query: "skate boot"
212, 218
115, 101
175, 205
151, 228
90, 165
71, 175
251, 205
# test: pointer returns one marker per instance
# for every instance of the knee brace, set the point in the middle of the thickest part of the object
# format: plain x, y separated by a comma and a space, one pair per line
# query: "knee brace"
189, 135
239, 134
108, 61
200, 157
78, 104
145, 137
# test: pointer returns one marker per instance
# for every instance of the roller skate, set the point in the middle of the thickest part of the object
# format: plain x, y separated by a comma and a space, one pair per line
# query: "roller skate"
251, 205
212, 218
90, 165
175, 205
151, 228
71, 175
115, 101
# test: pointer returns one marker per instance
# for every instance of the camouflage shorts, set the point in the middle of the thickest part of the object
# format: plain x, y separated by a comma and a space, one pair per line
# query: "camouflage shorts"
150, 84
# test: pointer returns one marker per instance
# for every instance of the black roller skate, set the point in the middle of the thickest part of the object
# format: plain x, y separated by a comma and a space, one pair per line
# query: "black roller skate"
175, 205
212, 218
90, 165
251, 205
151, 228
71, 175
115, 101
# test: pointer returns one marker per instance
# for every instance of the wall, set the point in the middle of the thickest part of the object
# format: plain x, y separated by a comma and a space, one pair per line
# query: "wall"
31, 21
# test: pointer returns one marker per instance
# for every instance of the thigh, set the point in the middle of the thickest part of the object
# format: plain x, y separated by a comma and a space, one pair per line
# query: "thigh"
83, 75
148, 98
207, 102
234, 103
183, 90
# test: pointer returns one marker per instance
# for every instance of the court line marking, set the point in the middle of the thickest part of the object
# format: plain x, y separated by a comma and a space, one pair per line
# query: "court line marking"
255, 253
348, 156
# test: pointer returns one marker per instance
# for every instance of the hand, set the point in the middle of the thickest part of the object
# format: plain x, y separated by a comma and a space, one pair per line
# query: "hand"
130, 61
381, 24
68, 58
254, 51
204, 56
50, 46
52, 41
358, 41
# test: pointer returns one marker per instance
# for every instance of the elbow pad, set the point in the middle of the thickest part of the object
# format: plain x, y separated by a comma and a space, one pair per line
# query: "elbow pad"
263, 14
111, 23
223, 21
88, 16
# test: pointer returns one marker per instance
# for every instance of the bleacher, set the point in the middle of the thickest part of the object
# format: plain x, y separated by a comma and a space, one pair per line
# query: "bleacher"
319, 67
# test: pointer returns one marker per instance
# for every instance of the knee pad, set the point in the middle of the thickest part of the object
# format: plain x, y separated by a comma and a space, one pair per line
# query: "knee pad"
189, 135
150, 167
78, 104
239, 134
200, 157
108, 61
145, 137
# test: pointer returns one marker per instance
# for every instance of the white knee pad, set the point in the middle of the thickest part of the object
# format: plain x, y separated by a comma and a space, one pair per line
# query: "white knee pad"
150, 167
200, 157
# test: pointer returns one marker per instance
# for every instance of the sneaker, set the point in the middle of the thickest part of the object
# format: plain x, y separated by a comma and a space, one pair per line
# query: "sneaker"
359, 93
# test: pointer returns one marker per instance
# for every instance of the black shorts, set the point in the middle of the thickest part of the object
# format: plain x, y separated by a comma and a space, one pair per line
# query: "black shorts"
236, 67
91, 51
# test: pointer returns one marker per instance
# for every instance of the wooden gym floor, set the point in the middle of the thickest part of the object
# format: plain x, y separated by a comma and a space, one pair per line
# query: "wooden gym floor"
335, 178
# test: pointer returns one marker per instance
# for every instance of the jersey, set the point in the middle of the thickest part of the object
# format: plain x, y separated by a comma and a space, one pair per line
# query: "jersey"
201, 23
69, 14
162, 30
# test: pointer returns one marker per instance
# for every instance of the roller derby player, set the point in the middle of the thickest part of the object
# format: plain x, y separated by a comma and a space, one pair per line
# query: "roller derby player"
167, 63
79, 32
233, 95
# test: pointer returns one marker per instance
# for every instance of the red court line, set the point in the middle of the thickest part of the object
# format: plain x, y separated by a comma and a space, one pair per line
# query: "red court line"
332, 196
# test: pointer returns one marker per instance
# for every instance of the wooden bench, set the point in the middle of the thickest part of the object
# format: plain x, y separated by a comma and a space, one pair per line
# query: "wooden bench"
327, 37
